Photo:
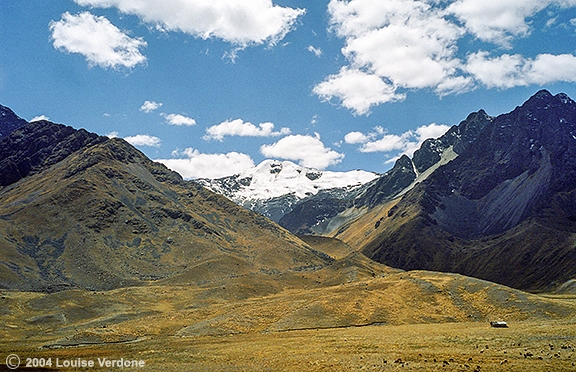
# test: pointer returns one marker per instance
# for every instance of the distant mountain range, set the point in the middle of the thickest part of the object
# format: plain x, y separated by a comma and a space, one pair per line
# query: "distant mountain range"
319, 214
493, 198
304, 200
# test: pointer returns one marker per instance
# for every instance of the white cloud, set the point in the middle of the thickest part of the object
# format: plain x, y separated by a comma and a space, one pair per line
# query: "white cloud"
38, 118
509, 71
389, 142
355, 138
239, 22
98, 40
406, 143
243, 129
549, 68
113, 134
418, 49
497, 21
432, 130
551, 22
177, 119
396, 46
391, 45
357, 90
317, 51
309, 151
142, 140
199, 165
149, 106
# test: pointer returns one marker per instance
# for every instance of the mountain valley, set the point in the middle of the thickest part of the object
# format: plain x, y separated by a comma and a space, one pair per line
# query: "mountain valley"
104, 252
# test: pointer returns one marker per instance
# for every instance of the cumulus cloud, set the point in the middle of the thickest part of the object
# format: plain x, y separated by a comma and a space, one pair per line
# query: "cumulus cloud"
142, 140
379, 140
432, 130
239, 22
149, 106
356, 137
177, 119
357, 90
243, 129
396, 46
391, 45
507, 71
308, 151
98, 40
199, 165
497, 21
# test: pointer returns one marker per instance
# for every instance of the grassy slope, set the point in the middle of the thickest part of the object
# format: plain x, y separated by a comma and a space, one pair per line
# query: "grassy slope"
107, 217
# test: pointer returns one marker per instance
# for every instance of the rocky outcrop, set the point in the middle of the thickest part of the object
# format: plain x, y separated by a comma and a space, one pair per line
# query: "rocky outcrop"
37, 145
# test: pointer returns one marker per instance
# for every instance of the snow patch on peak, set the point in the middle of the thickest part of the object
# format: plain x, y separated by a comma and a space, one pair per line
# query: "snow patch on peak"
274, 178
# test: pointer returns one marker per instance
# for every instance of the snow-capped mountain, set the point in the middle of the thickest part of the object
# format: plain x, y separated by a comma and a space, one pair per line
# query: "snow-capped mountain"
273, 187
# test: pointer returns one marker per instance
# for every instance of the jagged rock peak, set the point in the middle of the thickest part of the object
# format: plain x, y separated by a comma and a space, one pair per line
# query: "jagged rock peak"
403, 162
544, 100
459, 137
9, 121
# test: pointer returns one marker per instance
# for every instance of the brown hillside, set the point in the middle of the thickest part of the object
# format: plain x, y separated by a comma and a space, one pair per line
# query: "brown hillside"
107, 217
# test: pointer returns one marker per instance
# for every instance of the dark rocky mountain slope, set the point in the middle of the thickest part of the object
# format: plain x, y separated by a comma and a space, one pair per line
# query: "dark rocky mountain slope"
315, 214
504, 210
35, 146
82, 211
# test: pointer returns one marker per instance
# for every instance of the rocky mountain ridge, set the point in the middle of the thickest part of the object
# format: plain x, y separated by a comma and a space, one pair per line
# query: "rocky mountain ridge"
10, 121
30, 147
503, 210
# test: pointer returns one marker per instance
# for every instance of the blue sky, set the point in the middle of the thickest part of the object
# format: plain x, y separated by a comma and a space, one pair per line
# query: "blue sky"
213, 87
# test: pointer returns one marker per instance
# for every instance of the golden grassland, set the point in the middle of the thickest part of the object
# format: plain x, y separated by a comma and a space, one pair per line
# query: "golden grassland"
384, 323
467, 346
